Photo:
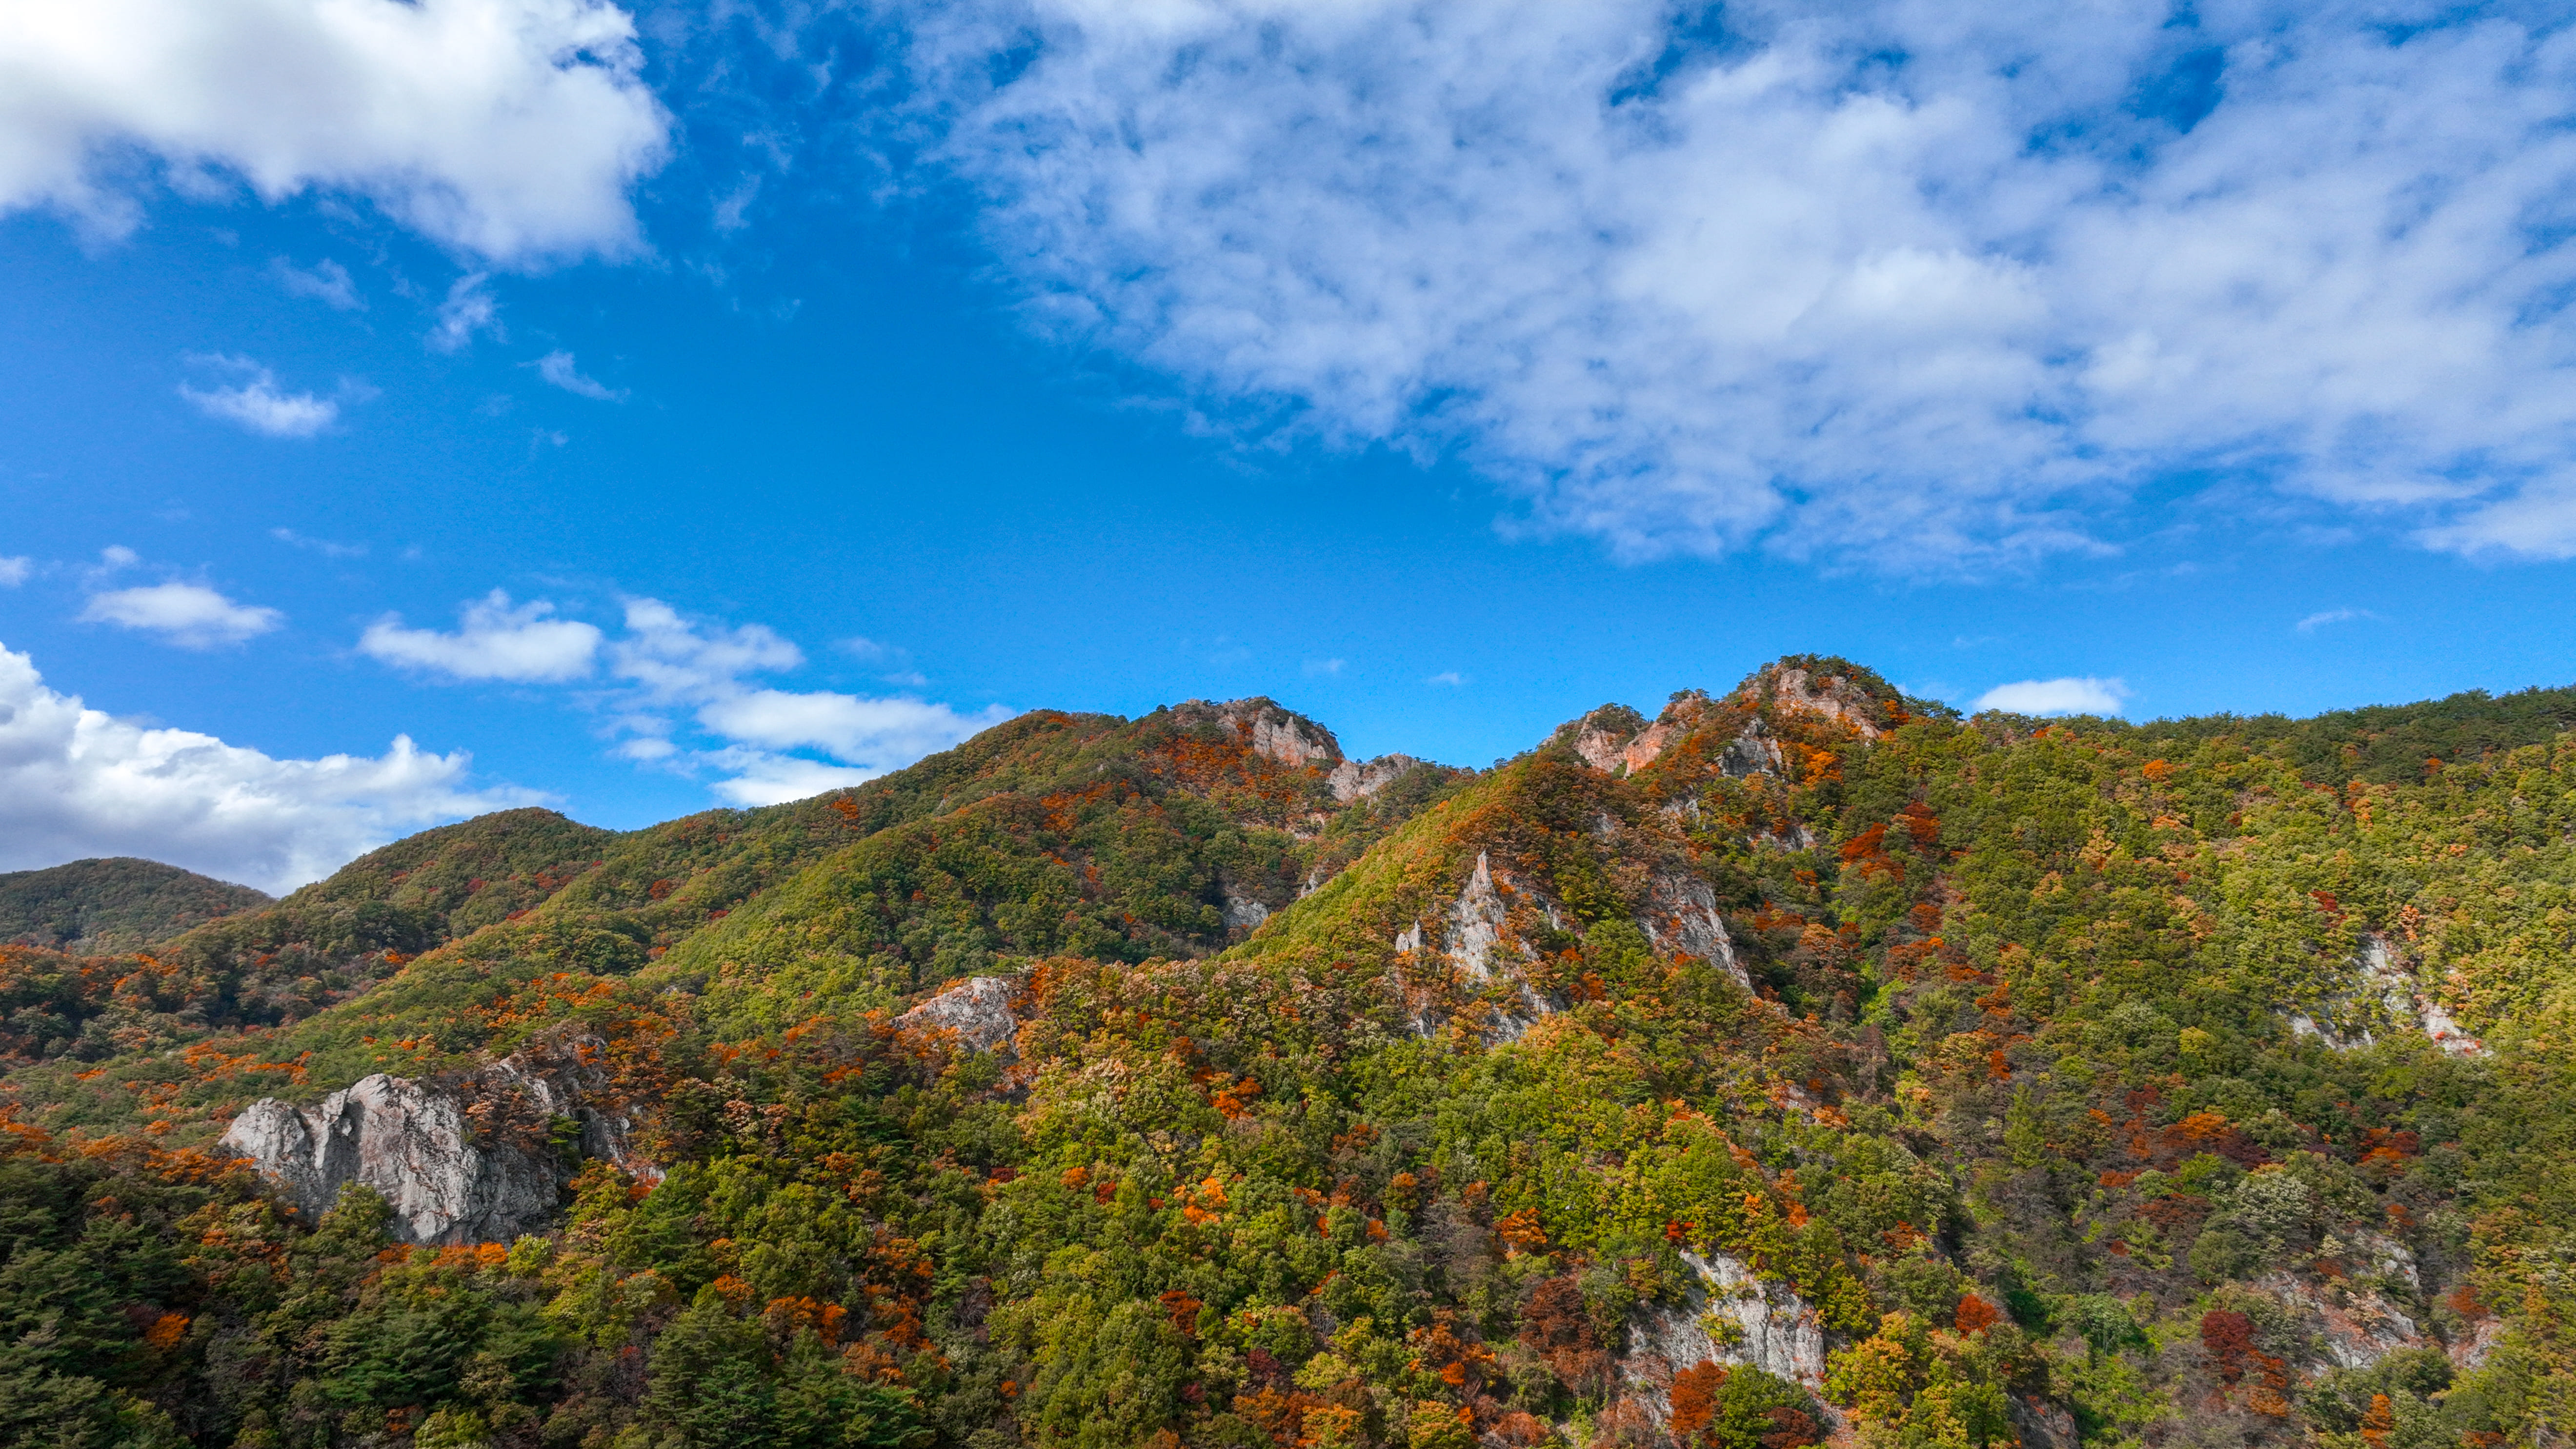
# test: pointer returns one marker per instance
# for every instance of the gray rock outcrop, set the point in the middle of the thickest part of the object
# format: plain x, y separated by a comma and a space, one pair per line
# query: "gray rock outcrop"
2385, 995
1268, 729
977, 1011
413, 1144
1358, 779
1833, 696
1731, 1317
2357, 1325
1681, 919
1244, 912
473, 1160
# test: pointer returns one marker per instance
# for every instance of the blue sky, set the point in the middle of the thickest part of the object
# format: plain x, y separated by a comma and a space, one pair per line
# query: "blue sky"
818, 386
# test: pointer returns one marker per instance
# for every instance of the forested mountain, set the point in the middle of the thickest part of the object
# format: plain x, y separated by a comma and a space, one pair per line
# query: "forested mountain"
1804, 1063
97, 906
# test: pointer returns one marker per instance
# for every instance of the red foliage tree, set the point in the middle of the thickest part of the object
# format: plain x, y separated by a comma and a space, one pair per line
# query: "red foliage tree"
1976, 1315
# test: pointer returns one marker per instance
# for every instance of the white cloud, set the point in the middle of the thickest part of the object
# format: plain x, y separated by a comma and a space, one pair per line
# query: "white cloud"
1914, 285
558, 370
1324, 666
684, 695
191, 616
494, 641
117, 556
872, 734
1447, 678
326, 281
756, 777
2314, 622
506, 128
258, 404
14, 571
322, 546
468, 309
2072, 695
675, 664
76, 782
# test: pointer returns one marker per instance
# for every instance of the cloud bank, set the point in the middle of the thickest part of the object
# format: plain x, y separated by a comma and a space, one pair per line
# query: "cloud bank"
76, 782
509, 129
1920, 286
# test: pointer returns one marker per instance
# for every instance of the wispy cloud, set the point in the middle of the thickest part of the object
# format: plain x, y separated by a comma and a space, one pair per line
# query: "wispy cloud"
191, 616
469, 310
256, 402
2069, 695
326, 281
1447, 678
322, 546
1315, 667
2314, 622
15, 571
557, 369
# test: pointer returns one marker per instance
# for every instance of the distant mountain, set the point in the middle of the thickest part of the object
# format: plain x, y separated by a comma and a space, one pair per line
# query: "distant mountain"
1798, 1063
94, 907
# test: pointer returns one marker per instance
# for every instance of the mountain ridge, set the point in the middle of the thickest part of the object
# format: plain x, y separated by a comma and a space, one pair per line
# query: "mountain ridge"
1801, 1062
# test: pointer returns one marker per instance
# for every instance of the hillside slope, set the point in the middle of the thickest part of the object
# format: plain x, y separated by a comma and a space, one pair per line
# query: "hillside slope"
95, 907
1802, 1062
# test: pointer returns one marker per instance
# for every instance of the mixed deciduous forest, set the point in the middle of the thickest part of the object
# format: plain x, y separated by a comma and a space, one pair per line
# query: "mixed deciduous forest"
1803, 1064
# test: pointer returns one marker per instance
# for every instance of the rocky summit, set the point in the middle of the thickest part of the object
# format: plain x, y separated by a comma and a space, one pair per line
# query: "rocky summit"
1802, 1063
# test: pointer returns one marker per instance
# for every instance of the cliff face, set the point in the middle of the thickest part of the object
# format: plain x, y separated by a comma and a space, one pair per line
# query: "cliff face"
410, 1142
471, 1162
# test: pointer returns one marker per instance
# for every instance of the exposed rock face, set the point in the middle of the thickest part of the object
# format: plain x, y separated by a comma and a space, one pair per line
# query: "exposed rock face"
1833, 696
564, 1076
412, 1143
2358, 1326
977, 1009
1477, 922
1681, 919
1477, 937
2386, 995
471, 1161
1647, 747
1751, 752
1757, 1322
2040, 1424
1616, 740
1290, 739
2471, 1351
1357, 779
1243, 911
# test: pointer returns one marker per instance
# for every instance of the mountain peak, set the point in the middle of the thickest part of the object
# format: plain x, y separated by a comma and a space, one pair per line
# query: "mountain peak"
1271, 729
